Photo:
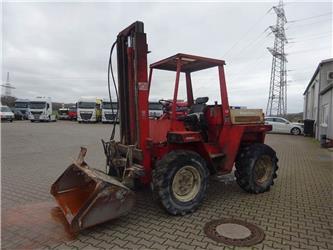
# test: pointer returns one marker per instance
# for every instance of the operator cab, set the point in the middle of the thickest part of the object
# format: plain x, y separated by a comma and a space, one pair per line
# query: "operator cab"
200, 122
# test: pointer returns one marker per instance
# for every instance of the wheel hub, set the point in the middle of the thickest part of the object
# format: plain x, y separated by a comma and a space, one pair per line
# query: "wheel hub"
263, 169
186, 183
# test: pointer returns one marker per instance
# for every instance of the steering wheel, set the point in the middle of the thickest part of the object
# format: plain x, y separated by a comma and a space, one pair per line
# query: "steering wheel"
167, 105
164, 103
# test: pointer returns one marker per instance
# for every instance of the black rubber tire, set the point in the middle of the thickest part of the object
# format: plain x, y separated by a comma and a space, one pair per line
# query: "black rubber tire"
245, 165
163, 176
295, 129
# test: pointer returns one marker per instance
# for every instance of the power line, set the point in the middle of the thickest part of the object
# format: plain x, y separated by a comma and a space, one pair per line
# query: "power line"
253, 63
308, 50
246, 33
312, 38
252, 43
311, 35
306, 24
308, 18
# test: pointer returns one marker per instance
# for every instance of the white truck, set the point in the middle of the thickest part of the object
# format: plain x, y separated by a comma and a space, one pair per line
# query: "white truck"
88, 109
22, 108
40, 109
109, 111
155, 109
63, 114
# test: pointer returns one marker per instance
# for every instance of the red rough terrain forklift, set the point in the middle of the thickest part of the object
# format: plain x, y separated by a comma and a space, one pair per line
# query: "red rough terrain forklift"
175, 154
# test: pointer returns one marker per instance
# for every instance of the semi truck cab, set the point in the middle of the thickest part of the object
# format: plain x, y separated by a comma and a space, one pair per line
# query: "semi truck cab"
88, 109
22, 105
41, 109
109, 111
63, 114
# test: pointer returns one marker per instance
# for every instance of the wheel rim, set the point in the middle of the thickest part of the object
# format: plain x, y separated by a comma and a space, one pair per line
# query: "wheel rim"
263, 169
295, 131
186, 183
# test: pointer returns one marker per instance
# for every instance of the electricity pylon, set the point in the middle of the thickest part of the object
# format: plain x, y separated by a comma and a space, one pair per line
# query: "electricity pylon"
277, 100
8, 87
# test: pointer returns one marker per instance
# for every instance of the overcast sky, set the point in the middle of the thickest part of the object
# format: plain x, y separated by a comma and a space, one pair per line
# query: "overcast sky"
61, 49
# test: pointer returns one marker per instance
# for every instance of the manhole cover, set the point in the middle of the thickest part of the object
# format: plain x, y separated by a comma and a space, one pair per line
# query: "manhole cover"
234, 232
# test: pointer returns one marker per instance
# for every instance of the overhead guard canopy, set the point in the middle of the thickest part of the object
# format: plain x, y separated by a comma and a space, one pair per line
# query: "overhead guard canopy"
190, 63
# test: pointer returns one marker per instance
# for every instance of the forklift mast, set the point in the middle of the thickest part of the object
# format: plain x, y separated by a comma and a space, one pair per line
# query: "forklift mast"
133, 88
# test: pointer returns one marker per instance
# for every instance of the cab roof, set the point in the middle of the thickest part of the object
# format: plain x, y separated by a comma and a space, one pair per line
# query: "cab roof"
189, 63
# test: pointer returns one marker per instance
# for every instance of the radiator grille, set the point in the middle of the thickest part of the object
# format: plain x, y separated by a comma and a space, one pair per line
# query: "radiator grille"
86, 116
110, 117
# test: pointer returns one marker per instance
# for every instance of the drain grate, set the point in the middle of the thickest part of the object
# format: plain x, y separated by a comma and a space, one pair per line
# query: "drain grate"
234, 232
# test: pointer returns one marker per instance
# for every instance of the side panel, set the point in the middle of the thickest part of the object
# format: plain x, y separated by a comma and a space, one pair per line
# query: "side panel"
159, 129
160, 150
213, 116
232, 137
229, 141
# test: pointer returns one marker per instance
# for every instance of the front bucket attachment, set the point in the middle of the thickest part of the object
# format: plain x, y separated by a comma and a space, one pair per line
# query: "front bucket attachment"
88, 196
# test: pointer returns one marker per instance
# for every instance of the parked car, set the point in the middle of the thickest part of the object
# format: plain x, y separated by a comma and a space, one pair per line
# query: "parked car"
281, 125
6, 113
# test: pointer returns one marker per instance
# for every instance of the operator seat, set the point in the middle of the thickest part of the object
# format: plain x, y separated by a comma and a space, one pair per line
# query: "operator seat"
195, 119
199, 105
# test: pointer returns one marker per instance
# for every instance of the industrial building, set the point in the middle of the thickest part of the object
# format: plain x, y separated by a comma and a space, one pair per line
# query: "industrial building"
318, 101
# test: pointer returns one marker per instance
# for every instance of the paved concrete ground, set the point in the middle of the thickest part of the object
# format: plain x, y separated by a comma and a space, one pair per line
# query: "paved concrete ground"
295, 214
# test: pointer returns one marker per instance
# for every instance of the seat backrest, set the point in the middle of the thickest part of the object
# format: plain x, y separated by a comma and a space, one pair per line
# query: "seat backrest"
199, 105
201, 100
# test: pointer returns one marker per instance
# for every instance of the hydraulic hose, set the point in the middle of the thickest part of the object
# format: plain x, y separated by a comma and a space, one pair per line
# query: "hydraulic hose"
110, 170
110, 71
